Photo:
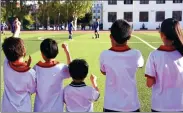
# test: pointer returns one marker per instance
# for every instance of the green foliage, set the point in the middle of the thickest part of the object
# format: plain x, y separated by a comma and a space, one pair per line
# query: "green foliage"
27, 21
3, 14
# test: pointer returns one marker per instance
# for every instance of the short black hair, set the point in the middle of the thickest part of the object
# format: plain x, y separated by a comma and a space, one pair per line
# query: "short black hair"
121, 31
13, 48
78, 69
49, 48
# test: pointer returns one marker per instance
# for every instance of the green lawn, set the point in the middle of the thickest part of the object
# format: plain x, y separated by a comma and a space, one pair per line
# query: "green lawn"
85, 47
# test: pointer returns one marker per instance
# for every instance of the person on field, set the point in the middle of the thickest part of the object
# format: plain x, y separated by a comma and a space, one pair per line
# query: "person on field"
164, 69
70, 28
17, 28
96, 28
120, 64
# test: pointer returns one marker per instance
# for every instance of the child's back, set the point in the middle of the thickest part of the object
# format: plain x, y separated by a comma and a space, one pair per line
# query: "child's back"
19, 81
49, 95
50, 76
120, 64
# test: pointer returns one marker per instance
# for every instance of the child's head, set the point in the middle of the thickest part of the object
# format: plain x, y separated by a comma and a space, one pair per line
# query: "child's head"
171, 32
78, 69
49, 49
120, 32
13, 48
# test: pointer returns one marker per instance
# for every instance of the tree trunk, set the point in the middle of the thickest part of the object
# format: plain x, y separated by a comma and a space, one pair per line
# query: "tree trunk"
75, 23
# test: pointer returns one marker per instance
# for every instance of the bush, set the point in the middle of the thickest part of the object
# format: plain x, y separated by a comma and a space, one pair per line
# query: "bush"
27, 22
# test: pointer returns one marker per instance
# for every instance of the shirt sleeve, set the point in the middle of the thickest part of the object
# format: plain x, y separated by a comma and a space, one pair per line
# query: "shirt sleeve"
140, 60
95, 95
65, 72
150, 67
102, 67
32, 82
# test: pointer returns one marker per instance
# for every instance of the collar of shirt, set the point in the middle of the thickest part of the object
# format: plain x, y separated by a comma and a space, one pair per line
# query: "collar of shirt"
79, 84
166, 48
120, 48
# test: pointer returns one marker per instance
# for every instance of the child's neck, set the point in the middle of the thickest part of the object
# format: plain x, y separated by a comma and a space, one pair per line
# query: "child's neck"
20, 60
119, 45
168, 43
78, 81
49, 60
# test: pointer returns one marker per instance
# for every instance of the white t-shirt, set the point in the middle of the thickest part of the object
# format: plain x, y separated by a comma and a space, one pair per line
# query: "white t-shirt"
120, 65
17, 25
49, 92
79, 98
166, 66
19, 84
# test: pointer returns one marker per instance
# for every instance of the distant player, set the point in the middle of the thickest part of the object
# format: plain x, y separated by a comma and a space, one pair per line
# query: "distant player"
19, 78
164, 69
120, 64
17, 27
3, 25
79, 97
70, 28
96, 28
50, 76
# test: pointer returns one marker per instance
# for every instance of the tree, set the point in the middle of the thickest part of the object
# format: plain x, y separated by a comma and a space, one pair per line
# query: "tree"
77, 9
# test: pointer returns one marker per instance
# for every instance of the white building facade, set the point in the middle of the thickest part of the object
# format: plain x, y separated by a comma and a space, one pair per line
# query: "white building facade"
146, 14
97, 10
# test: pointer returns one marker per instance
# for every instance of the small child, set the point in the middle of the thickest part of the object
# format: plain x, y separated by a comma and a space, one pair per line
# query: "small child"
96, 28
70, 27
78, 96
19, 78
164, 69
120, 64
50, 76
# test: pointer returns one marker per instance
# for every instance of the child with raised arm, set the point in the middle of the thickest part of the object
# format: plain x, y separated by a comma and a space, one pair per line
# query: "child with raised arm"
164, 69
50, 76
79, 97
120, 64
19, 78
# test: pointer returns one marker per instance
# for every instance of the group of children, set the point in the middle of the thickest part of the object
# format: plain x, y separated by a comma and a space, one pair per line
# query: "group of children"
164, 73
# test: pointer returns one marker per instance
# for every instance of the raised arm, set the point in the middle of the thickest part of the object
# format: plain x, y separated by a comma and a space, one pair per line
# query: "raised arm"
66, 50
93, 79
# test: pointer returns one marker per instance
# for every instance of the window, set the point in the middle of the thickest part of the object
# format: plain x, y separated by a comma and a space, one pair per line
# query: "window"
93, 11
144, 17
111, 2
160, 1
177, 15
94, 17
97, 5
98, 17
98, 11
112, 16
128, 16
144, 1
160, 16
128, 1
177, 1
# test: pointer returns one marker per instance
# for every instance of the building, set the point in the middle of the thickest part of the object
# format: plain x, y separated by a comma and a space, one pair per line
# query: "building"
147, 13
97, 10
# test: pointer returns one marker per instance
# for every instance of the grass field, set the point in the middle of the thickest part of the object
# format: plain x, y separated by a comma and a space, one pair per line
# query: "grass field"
83, 46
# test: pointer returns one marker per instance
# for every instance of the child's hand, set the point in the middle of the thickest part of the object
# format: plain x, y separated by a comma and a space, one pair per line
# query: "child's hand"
65, 47
93, 77
29, 61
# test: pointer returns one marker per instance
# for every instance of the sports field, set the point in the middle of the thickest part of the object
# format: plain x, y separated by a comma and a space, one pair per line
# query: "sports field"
83, 46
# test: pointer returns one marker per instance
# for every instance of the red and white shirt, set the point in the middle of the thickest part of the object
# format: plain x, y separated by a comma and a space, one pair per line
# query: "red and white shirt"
49, 92
166, 66
120, 65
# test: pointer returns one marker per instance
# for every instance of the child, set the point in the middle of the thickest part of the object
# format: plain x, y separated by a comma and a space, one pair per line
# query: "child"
70, 27
96, 28
164, 69
17, 26
120, 64
50, 76
78, 96
19, 79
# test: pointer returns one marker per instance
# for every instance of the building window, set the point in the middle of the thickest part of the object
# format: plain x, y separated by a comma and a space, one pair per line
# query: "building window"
160, 16
98, 17
93, 11
98, 11
177, 1
177, 15
144, 17
160, 1
112, 2
128, 1
144, 1
94, 17
128, 16
112, 16
97, 5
